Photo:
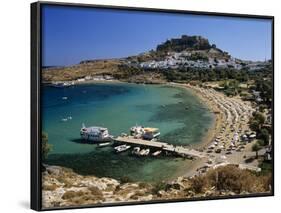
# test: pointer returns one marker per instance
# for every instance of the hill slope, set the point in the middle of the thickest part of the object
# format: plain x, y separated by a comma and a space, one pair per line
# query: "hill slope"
184, 53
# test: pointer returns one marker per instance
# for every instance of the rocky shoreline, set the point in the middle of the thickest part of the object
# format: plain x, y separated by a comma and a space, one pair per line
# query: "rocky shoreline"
62, 187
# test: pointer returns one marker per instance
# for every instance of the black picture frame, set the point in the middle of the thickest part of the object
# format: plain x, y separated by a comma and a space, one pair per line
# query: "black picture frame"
36, 65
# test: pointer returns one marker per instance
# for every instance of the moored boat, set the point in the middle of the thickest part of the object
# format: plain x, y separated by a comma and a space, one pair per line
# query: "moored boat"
95, 134
144, 152
100, 145
122, 148
157, 153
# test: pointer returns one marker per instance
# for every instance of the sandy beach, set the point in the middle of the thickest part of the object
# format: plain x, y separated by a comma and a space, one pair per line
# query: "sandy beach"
222, 143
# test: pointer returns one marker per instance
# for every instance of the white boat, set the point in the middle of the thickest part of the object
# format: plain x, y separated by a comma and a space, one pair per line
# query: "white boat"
104, 144
95, 134
157, 153
122, 148
64, 98
64, 119
144, 152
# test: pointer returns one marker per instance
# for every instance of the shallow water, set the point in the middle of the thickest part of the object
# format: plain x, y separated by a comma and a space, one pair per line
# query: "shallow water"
179, 115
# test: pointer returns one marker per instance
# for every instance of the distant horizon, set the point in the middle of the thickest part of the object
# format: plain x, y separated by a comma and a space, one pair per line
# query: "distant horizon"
72, 34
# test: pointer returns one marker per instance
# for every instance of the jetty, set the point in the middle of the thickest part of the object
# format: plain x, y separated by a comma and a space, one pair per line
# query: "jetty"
179, 150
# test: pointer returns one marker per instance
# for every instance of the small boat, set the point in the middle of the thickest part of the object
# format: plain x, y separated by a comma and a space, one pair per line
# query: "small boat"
64, 98
157, 153
64, 119
100, 145
136, 151
122, 148
144, 152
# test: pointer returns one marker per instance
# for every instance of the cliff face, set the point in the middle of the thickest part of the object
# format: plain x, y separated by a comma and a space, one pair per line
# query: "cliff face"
63, 187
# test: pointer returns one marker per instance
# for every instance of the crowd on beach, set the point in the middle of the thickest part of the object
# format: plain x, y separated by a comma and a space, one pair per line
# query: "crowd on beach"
230, 141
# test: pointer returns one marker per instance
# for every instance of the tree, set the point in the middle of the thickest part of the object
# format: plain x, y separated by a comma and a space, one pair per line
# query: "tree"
265, 87
264, 135
256, 148
261, 142
259, 117
254, 125
262, 108
257, 121
46, 147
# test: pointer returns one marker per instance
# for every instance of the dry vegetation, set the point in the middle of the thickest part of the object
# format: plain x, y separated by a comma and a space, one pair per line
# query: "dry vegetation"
63, 187
231, 178
97, 67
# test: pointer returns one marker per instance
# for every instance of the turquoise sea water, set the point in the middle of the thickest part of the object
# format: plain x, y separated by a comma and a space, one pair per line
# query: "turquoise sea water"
179, 115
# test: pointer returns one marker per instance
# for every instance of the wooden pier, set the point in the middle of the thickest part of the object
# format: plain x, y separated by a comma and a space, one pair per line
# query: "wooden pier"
179, 150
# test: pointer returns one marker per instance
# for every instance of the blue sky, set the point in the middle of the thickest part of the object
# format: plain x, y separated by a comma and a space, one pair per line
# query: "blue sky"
72, 34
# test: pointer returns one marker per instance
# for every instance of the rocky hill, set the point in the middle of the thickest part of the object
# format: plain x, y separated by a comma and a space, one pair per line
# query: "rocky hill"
184, 43
184, 53
63, 187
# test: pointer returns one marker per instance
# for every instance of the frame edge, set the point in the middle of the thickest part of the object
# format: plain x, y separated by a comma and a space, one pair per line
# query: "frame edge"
35, 196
